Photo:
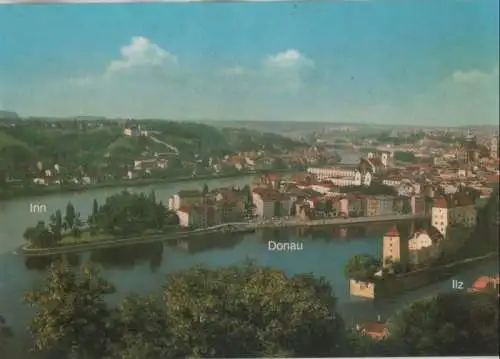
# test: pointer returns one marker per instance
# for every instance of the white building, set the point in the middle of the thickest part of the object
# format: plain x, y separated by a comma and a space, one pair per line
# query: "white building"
456, 210
341, 177
422, 248
329, 172
188, 217
132, 131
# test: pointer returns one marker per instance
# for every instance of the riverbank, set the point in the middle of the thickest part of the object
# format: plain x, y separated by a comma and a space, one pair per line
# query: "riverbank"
403, 283
41, 190
240, 227
76, 248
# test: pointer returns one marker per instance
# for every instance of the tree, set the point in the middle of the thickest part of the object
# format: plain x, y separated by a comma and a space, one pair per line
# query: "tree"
404, 156
205, 189
361, 267
71, 314
250, 311
77, 225
129, 214
39, 236
451, 324
69, 218
56, 225
247, 192
150, 337
95, 211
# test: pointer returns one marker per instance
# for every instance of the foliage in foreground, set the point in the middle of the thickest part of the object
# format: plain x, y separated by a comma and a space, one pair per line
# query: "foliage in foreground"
462, 324
244, 311
227, 312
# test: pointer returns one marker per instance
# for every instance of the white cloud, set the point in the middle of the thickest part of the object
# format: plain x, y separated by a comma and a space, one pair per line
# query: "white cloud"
147, 80
289, 59
141, 52
465, 97
469, 77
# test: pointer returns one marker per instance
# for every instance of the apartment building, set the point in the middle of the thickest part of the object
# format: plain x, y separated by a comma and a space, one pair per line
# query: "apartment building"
457, 209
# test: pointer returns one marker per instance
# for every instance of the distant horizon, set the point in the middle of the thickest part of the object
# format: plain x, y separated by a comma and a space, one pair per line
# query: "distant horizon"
408, 63
295, 121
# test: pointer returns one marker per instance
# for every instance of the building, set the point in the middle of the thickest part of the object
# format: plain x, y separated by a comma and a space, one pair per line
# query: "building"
270, 203
422, 248
327, 172
391, 247
188, 217
494, 147
375, 163
148, 164
486, 284
132, 131
356, 206
386, 204
184, 198
453, 210
199, 215
375, 330
270, 180
418, 205
372, 206
468, 152
341, 177
362, 289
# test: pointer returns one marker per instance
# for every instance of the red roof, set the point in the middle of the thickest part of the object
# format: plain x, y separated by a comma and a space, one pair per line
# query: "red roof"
184, 209
374, 330
375, 161
393, 232
493, 178
481, 283
273, 177
441, 203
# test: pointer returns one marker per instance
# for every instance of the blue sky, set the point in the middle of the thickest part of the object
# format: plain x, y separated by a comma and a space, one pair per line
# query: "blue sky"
395, 62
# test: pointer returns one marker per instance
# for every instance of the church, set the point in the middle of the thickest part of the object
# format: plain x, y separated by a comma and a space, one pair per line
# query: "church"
468, 152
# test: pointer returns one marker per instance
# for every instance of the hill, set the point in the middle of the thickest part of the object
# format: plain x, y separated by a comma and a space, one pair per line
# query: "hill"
11, 115
74, 143
247, 140
13, 152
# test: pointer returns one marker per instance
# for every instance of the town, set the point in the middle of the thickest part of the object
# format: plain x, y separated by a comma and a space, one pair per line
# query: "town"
249, 179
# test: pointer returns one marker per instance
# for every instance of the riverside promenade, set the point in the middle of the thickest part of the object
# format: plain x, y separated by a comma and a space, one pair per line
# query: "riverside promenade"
234, 227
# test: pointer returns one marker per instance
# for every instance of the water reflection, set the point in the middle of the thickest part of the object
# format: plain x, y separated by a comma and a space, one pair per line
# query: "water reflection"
42, 263
208, 243
127, 257
330, 233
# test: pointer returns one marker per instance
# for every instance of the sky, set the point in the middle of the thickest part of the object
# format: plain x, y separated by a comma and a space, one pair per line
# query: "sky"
392, 62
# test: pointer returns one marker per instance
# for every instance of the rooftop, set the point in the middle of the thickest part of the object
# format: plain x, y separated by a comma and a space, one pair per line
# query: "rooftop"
392, 232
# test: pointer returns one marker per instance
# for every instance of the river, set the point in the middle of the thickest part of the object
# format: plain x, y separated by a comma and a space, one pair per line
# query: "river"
142, 268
